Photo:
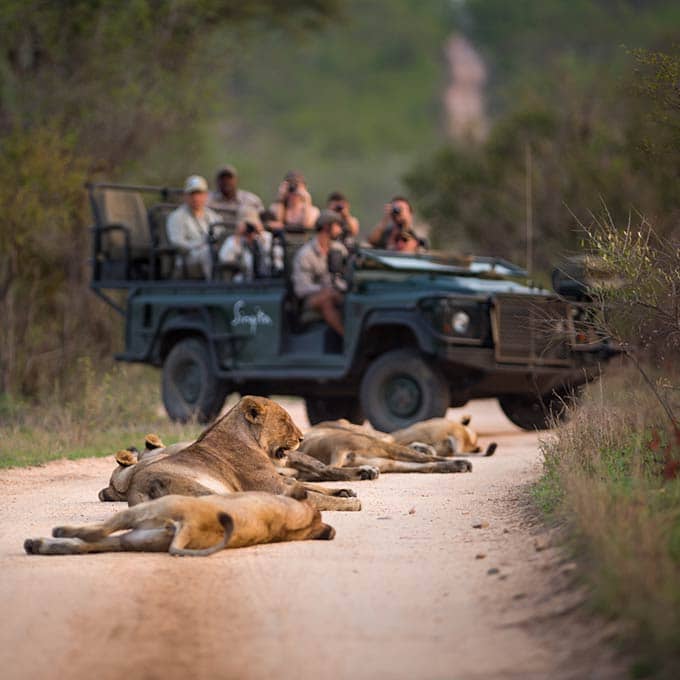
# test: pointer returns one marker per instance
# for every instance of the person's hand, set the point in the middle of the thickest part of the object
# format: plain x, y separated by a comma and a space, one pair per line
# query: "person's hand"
303, 193
387, 214
283, 190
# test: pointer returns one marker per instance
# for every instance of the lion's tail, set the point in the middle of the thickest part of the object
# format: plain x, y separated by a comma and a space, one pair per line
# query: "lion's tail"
227, 524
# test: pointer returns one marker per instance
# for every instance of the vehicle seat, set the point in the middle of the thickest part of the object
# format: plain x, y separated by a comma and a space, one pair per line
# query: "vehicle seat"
164, 254
123, 240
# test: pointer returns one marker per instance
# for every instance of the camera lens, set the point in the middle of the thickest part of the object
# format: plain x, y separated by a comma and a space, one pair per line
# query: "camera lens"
292, 188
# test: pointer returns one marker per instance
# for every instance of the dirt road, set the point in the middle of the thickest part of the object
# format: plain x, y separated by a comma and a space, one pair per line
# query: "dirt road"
408, 589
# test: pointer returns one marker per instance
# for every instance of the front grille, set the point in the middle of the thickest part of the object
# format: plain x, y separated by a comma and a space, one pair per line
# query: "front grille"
532, 329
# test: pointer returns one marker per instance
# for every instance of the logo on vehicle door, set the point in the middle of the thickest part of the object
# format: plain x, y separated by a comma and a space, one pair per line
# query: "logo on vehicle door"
257, 318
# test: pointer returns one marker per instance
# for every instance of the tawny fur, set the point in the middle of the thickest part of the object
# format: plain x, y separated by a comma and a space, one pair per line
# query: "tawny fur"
337, 445
236, 453
183, 525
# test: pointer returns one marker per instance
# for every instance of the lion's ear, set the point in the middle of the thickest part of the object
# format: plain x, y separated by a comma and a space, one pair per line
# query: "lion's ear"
253, 412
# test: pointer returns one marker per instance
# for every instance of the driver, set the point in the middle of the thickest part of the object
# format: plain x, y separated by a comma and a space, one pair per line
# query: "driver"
313, 283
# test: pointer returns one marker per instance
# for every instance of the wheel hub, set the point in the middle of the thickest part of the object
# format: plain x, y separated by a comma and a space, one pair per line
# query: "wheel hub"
188, 381
403, 396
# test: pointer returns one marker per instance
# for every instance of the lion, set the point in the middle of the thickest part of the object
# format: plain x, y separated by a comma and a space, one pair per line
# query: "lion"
437, 436
446, 437
236, 453
199, 526
338, 446
298, 465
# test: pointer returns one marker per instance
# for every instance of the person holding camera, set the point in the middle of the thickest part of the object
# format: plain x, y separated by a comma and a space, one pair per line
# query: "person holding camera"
337, 202
395, 229
313, 283
247, 253
293, 208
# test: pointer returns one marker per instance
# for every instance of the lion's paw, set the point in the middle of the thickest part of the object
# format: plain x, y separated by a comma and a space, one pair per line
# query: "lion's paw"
422, 447
344, 493
32, 545
368, 472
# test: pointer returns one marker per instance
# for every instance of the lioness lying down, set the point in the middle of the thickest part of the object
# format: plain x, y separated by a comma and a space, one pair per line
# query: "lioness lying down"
236, 453
182, 525
447, 437
338, 445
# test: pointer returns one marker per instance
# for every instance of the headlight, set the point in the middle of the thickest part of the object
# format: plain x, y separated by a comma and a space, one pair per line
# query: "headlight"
457, 319
460, 322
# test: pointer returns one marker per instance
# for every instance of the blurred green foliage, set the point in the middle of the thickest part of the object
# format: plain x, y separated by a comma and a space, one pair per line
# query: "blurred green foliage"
86, 86
351, 106
585, 101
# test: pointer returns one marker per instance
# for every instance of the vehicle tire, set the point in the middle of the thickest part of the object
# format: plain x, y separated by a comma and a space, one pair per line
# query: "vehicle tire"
532, 412
320, 409
190, 389
400, 388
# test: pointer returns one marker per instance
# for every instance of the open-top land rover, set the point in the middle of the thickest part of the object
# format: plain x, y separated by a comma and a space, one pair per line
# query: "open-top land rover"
422, 332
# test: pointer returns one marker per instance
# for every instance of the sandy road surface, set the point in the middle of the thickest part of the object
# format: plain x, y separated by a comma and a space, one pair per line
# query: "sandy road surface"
404, 591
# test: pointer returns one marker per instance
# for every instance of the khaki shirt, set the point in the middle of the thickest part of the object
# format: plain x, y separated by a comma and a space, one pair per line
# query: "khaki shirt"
310, 269
186, 231
244, 199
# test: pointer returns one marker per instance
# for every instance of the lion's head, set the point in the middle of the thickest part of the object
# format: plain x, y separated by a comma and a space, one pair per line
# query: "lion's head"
271, 425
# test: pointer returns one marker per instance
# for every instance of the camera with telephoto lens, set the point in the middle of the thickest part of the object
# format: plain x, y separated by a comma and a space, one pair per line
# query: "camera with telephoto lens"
250, 228
338, 207
396, 210
292, 187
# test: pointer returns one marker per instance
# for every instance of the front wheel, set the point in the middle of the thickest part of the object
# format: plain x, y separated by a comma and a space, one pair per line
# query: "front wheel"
533, 412
320, 409
400, 388
190, 389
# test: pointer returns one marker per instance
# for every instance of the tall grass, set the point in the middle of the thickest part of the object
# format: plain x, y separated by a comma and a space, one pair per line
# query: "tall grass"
108, 412
604, 481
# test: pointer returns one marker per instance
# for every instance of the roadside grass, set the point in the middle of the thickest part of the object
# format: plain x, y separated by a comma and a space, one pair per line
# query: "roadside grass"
605, 484
107, 413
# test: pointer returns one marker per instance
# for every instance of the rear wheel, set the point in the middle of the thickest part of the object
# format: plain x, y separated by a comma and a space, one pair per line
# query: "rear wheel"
400, 388
532, 412
320, 409
190, 389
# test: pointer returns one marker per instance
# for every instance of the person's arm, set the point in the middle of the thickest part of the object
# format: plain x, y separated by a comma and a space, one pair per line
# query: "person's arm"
352, 225
311, 216
376, 235
257, 202
230, 252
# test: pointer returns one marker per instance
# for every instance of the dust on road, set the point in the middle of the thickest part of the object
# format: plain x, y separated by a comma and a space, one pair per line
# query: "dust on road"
408, 588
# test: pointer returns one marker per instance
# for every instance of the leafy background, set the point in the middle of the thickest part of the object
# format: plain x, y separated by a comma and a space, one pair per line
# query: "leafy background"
348, 92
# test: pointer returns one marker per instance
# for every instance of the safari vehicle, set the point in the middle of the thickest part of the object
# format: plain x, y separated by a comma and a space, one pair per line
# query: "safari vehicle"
422, 332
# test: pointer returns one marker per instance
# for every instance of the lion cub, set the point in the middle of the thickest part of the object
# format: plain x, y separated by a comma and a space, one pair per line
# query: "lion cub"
183, 525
